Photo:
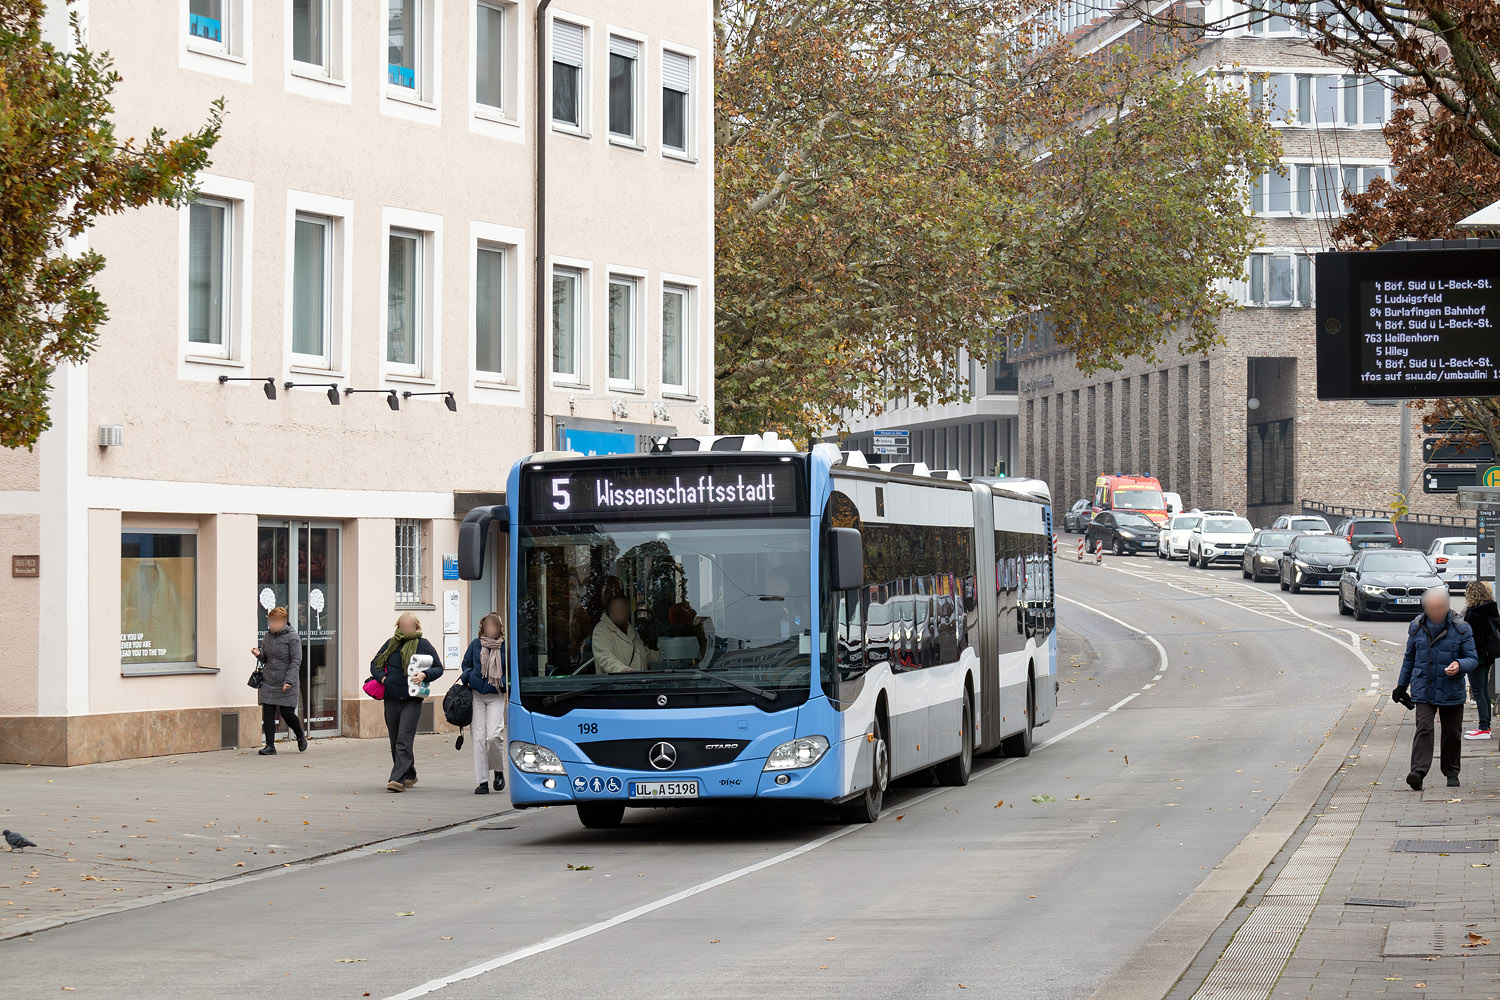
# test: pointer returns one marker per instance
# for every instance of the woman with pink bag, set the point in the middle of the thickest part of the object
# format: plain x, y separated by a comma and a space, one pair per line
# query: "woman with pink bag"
402, 708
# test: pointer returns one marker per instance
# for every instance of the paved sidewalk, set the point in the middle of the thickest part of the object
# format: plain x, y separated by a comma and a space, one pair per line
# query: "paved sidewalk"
1394, 919
122, 830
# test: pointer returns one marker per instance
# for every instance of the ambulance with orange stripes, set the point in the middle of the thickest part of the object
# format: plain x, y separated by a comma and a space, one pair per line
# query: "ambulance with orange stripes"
1137, 494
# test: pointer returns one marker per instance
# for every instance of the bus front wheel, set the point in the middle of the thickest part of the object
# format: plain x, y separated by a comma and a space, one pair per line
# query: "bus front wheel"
601, 815
866, 808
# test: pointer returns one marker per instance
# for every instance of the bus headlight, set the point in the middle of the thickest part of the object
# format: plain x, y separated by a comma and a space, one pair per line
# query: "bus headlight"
533, 759
802, 752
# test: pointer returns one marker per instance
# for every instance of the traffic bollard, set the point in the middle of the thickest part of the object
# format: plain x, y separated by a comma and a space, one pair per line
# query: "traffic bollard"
1080, 550
1099, 553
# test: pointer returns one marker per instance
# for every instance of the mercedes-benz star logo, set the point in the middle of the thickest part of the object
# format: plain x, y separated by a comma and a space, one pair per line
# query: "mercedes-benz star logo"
662, 756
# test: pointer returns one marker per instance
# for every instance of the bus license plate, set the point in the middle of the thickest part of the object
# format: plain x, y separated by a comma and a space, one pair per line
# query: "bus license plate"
664, 789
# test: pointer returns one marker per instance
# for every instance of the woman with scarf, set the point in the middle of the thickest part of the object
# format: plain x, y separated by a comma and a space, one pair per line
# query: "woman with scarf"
484, 672
403, 709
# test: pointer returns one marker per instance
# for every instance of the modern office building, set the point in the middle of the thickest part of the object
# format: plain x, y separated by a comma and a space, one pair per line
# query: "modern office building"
1240, 427
313, 371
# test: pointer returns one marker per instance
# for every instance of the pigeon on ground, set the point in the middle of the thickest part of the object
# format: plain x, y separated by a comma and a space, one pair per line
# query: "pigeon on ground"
15, 840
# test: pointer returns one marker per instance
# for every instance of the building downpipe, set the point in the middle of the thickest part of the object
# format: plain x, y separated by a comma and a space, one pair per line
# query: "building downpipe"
540, 310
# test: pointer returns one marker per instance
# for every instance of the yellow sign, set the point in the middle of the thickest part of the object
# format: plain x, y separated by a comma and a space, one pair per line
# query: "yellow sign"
1491, 476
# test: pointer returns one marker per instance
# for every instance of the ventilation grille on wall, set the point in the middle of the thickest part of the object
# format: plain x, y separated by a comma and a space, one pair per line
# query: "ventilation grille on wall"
111, 435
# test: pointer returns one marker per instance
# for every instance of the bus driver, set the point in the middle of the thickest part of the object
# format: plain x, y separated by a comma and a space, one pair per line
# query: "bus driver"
618, 648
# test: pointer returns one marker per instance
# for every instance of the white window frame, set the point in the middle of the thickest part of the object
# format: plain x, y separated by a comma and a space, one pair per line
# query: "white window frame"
585, 78
229, 58
582, 269
430, 293
1358, 82
421, 103
690, 112
228, 263
637, 140
636, 380
506, 121
329, 82
1302, 279
504, 387
409, 556
1259, 26
340, 296
691, 288
193, 362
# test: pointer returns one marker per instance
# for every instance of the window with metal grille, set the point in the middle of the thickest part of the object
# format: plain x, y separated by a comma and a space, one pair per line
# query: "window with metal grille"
408, 561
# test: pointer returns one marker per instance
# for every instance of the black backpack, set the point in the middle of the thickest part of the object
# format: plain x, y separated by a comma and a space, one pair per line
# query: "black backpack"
458, 709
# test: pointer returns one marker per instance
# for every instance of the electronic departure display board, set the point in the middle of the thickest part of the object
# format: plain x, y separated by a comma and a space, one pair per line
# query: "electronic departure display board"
1408, 324
650, 490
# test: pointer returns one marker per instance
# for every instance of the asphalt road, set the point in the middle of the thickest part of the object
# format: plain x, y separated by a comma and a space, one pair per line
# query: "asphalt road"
1152, 781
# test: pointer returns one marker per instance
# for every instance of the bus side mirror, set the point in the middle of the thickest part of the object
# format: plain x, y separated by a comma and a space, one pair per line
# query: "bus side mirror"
846, 555
473, 533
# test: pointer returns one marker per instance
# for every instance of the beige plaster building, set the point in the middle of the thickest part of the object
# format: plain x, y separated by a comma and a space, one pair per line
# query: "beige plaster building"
368, 229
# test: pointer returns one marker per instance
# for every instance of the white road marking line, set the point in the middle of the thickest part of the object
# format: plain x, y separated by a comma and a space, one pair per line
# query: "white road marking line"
1161, 651
1122, 702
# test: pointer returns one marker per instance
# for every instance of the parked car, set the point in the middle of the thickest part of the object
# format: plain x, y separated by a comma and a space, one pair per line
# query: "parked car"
1455, 560
1313, 561
1077, 516
1386, 582
1173, 502
1218, 539
1369, 533
1171, 541
1122, 532
1310, 523
1263, 554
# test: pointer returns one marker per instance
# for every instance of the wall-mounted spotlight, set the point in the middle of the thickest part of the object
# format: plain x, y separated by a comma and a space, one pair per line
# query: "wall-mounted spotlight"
269, 388
333, 390
449, 401
391, 399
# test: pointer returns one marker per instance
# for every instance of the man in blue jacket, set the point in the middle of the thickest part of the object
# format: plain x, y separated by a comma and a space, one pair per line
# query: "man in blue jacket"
1439, 651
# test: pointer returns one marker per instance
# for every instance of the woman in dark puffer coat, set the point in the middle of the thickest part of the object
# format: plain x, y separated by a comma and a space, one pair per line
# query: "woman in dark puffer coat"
281, 671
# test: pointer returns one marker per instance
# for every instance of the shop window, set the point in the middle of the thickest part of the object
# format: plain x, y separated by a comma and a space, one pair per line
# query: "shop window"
158, 601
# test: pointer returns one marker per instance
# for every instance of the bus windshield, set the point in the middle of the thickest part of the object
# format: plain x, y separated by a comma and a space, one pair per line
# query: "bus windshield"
714, 608
1138, 499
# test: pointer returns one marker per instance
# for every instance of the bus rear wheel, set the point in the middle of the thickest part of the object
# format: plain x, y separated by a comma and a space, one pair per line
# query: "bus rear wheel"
1019, 745
866, 808
955, 771
601, 815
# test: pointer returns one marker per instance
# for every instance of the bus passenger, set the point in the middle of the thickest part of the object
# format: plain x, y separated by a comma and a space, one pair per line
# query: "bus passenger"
402, 709
618, 649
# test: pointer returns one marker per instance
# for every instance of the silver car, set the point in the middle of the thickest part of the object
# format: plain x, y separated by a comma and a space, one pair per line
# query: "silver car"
1172, 540
1455, 560
1308, 524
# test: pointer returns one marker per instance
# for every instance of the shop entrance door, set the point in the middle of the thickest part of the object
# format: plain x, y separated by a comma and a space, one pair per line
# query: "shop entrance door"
299, 570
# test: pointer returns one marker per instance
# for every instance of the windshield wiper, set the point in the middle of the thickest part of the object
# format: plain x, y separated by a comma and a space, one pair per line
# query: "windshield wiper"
569, 695
748, 688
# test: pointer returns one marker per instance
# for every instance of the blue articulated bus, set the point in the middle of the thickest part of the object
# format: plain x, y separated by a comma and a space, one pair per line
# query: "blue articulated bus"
720, 620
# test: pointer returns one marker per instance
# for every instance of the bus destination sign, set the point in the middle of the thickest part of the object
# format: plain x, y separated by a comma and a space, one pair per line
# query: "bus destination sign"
1406, 324
625, 493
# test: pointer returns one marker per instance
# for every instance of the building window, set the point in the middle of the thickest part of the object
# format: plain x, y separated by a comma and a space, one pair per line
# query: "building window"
405, 276
676, 324
490, 56
569, 43
622, 331
1280, 279
624, 63
311, 30
489, 310
1271, 192
158, 601
210, 274
1328, 101
567, 323
1366, 102
404, 63
676, 103
408, 561
1310, 189
1270, 18
1269, 461
210, 24
312, 290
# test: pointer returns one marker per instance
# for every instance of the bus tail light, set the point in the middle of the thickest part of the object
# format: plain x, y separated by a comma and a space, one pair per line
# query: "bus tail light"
804, 751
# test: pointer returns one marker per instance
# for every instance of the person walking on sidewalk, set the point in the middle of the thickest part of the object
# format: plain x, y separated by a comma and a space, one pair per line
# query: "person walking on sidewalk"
484, 672
281, 678
1484, 618
1439, 651
403, 709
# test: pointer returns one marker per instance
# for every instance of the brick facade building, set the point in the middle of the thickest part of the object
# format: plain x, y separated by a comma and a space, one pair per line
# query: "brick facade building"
1188, 418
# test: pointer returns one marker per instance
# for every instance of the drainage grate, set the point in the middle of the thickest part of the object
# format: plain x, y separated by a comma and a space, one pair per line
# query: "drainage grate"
1377, 901
1445, 846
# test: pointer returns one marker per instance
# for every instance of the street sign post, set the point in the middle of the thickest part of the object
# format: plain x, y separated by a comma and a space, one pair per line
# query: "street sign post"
1447, 454
1448, 479
892, 443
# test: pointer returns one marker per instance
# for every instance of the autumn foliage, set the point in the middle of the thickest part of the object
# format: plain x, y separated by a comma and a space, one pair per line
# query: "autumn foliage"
61, 168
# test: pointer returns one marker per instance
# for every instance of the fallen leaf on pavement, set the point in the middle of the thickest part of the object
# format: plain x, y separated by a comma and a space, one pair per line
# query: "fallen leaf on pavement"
901, 817
348, 960
388, 850
445, 939
714, 941
1482, 864
1042, 800
580, 868
1475, 941
407, 913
